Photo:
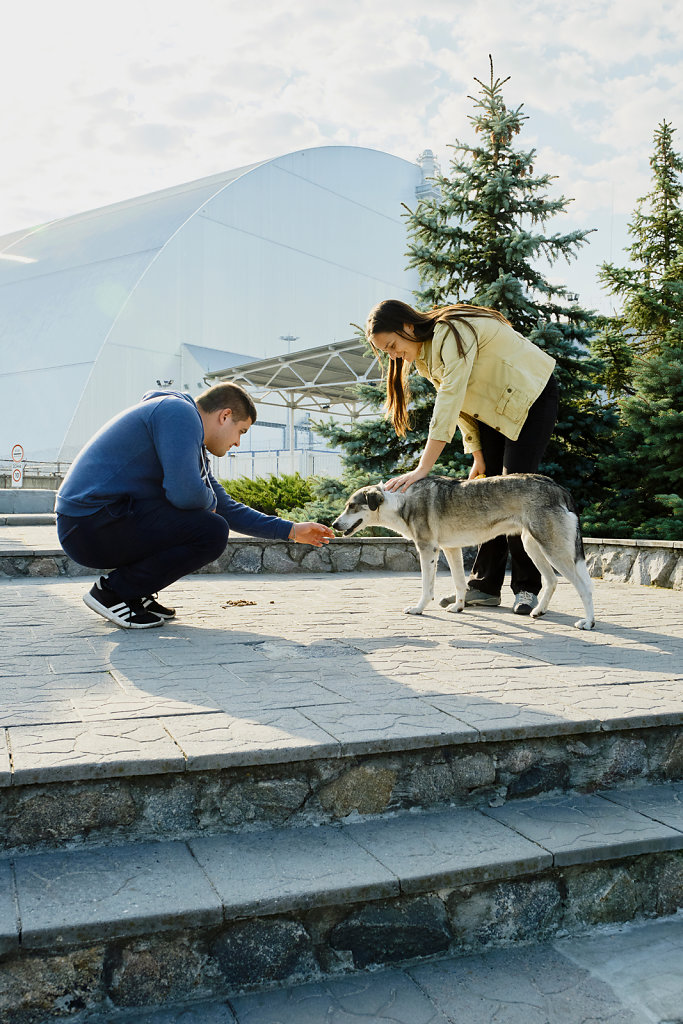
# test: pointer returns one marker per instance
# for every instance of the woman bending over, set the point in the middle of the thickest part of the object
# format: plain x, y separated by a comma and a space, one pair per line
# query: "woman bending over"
492, 383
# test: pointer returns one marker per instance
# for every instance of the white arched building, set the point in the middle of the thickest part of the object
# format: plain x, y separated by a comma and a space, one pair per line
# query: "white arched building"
97, 308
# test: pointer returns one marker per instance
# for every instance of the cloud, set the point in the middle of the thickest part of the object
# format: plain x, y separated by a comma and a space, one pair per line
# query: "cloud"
166, 92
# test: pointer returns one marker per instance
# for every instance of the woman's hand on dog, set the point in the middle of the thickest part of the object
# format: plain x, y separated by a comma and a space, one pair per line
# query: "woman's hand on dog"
403, 482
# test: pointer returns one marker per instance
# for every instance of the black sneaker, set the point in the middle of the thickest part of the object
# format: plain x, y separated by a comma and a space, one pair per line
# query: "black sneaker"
127, 614
151, 604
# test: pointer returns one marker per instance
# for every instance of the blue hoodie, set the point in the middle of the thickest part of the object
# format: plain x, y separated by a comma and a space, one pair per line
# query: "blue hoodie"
156, 450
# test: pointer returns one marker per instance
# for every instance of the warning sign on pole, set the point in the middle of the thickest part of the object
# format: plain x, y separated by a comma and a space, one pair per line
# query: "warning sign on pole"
17, 453
17, 476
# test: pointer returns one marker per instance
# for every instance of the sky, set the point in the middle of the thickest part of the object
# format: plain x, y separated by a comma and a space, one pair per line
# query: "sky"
103, 102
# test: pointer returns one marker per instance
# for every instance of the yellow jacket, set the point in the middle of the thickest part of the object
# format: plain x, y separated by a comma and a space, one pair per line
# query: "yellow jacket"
497, 381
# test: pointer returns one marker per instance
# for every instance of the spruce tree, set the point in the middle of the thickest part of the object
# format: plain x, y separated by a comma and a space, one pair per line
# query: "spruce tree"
484, 241
644, 473
650, 288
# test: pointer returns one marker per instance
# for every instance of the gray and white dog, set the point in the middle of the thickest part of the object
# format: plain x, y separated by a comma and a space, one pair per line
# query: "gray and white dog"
439, 512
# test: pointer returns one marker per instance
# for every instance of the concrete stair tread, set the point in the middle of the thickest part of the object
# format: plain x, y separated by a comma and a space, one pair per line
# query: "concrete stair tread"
80, 896
43, 519
142, 735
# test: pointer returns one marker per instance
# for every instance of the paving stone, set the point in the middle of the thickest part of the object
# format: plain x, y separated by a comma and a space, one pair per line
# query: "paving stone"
388, 996
372, 726
628, 706
47, 753
268, 873
220, 740
642, 964
581, 829
512, 717
524, 986
178, 691
434, 851
36, 711
663, 803
83, 896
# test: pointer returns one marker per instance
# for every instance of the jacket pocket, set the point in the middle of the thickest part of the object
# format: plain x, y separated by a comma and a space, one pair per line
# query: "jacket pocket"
512, 403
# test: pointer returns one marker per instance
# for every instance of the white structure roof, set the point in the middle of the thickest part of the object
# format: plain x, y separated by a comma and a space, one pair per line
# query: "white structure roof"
97, 308
314, 379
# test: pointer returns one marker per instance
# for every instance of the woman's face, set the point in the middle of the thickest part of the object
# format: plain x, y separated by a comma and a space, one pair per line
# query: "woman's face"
396, 346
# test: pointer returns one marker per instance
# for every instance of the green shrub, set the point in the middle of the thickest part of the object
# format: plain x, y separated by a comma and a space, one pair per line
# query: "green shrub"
328, 500
617, 518
271, 494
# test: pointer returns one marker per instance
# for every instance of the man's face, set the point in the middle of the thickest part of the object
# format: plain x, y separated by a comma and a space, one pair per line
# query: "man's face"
227, 432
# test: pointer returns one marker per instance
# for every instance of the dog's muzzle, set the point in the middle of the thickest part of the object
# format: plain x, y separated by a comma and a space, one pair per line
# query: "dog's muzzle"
350, 530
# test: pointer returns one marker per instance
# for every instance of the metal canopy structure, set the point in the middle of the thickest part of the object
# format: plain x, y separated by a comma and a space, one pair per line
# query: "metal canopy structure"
314, 379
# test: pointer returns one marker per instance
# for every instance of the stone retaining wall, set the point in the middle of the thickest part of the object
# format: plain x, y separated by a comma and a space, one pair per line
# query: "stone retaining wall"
649, 563
324, 791
657, 563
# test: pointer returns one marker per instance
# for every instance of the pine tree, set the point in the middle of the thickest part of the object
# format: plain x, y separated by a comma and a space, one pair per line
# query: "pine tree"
484, 240
650, 288
643, 350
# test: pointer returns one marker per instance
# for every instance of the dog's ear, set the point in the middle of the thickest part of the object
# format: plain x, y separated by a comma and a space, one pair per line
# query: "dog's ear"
375, 499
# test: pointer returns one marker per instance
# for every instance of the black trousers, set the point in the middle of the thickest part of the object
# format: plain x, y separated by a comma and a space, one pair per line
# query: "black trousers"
502, 456
150, 544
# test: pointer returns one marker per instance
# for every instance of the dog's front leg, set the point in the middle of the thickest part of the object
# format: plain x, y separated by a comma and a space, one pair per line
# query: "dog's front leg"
429, 556
454, 559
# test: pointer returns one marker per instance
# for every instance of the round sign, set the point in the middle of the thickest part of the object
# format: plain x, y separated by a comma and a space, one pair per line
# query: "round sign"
17, 475
17, 453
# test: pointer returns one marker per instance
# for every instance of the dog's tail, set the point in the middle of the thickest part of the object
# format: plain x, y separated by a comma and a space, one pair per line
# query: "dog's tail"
579, 553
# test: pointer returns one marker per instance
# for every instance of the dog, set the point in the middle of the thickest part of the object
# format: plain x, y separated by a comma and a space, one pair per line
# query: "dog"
440, 512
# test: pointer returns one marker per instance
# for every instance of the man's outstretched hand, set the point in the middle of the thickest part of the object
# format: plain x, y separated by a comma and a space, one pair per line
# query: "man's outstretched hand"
311, 533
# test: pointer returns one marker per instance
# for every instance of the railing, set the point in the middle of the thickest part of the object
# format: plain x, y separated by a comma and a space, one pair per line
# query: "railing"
306, 462
37, 475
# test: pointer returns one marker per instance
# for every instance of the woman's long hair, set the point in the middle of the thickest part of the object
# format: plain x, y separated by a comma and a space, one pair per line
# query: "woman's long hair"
391, 316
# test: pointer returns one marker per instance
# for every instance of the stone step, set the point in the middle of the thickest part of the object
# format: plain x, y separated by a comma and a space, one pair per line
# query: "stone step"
307, 701
184, 776
141, 924
41, 519
626, 974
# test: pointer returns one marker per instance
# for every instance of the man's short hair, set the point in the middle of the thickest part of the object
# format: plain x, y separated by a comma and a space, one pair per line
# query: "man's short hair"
228, 396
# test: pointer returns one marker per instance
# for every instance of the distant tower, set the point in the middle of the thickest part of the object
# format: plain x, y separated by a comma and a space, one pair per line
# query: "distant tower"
428, 189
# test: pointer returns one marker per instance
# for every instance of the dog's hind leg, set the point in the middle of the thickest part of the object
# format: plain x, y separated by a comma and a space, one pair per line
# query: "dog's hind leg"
454, 559
538, 556
572, 569
429, 556
577, 574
